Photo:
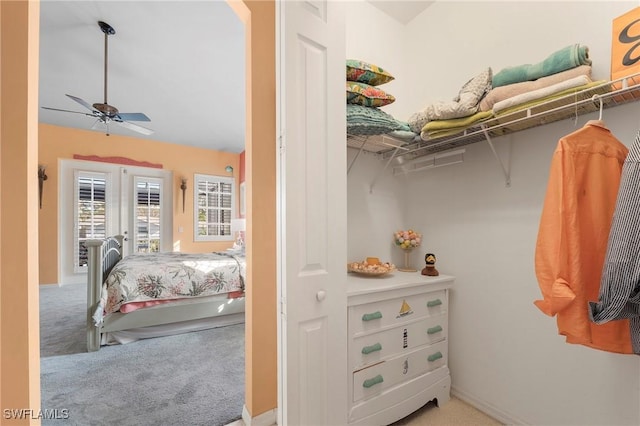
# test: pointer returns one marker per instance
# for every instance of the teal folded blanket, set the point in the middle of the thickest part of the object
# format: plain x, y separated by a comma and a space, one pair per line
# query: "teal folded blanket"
363, 120
562, 60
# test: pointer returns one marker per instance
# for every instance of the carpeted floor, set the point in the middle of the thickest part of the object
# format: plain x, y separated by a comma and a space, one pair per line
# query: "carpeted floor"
189, 379
454, 412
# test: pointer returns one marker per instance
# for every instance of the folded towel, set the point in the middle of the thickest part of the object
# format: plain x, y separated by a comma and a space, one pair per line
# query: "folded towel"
441, 128
556, 95
463, 105
522, 98
510, 90
562, 60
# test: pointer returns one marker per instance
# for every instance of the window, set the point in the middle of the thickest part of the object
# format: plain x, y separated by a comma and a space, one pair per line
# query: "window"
147, 214
214, 200
91, 213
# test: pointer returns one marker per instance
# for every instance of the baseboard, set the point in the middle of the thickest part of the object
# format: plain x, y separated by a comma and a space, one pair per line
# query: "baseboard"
265, 419
488, 409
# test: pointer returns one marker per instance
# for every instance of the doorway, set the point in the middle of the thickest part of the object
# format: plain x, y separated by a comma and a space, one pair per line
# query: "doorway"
19, 295
98, 200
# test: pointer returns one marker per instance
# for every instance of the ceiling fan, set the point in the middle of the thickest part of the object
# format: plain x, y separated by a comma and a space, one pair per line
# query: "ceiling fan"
104, 112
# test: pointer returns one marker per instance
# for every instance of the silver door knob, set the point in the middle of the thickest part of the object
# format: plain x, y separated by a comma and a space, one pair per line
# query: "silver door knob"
321, 295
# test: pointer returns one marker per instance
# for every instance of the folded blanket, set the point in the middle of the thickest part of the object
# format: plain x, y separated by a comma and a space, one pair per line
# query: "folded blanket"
510, 90
544, 92
362, 120
562, 60
556, 95
463, 105
440, 128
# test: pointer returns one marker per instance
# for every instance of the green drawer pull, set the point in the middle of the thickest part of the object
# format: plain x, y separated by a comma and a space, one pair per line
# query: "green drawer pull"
432, 303
434, 330
369, 317
434, 357
371, 382
373, 348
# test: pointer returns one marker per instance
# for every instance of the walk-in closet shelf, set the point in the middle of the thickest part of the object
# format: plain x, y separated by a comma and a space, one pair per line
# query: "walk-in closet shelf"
606, 95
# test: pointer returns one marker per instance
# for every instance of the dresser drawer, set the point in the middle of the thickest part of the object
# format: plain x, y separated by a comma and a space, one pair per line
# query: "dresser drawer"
372, 316
371, 381
375, 347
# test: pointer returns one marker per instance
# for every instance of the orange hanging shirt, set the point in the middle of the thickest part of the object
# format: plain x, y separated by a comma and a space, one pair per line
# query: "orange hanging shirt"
574, 229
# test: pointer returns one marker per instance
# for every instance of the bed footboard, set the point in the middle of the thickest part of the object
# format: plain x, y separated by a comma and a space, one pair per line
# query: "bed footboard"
103, 255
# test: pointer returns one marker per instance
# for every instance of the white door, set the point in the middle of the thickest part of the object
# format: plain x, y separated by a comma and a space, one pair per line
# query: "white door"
313, 216
145, 213
102, 199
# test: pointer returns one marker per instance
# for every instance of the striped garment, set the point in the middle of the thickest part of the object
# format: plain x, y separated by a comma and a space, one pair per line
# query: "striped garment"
619, 296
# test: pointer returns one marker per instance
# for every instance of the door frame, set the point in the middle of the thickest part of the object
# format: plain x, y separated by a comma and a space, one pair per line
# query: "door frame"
121, 189
23, 334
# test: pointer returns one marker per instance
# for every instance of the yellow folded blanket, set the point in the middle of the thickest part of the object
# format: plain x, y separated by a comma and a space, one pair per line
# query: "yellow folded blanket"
441, 128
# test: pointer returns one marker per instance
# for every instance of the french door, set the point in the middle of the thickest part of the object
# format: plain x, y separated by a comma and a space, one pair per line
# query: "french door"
98, 200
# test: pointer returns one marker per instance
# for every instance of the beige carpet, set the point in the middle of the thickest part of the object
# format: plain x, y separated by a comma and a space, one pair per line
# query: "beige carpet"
454, 412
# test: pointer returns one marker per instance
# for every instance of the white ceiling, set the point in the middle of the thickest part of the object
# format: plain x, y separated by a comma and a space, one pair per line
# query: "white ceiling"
182, 63
179, 62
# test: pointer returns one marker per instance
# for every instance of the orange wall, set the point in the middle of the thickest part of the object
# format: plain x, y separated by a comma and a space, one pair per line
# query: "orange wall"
19, 318
261, 346
58, 143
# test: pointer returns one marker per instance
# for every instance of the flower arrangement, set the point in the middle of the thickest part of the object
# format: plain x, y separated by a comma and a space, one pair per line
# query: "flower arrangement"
407, 240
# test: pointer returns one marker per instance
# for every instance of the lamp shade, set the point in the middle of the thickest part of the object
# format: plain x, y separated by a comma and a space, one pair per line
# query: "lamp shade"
238, 225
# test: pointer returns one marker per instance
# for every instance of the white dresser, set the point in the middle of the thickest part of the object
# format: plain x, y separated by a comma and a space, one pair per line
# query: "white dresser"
397, 345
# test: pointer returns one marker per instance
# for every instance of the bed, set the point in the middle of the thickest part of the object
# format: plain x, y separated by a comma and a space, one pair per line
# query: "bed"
155, 294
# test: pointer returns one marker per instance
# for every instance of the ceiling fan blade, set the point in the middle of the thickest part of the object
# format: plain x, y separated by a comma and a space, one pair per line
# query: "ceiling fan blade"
84, 103
66, 110
135, 127
131, 116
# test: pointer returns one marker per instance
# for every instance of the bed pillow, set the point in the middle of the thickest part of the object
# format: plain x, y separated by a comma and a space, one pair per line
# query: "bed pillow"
362, 120
367, 73
367, 95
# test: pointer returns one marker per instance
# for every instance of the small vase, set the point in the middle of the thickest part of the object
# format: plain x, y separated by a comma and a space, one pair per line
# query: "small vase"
407, 267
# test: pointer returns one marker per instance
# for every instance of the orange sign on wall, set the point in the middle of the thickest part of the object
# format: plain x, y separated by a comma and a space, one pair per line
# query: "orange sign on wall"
625, 47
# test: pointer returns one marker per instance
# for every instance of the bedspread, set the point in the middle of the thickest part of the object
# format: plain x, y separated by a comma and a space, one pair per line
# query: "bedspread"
143, 277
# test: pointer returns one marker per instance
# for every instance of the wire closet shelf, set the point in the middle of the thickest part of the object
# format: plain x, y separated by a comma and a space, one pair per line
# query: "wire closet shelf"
606, 95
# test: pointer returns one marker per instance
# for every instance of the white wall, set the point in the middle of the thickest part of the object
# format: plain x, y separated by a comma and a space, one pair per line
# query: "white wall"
375, 213
505, 355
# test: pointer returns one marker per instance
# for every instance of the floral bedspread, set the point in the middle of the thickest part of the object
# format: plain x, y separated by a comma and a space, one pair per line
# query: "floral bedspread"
142, 277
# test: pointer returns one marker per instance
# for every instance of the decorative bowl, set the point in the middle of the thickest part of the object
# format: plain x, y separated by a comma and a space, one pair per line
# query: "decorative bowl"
371, 269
